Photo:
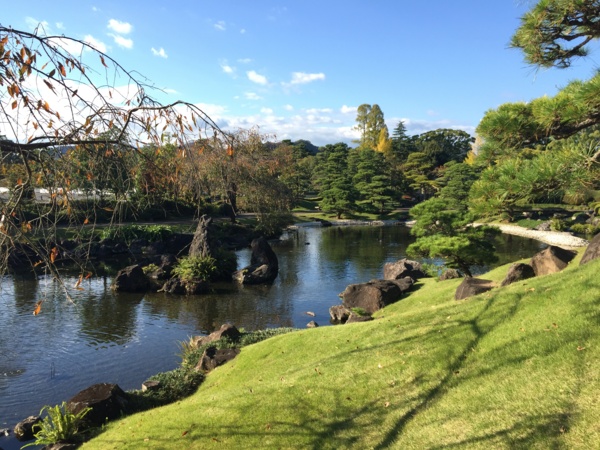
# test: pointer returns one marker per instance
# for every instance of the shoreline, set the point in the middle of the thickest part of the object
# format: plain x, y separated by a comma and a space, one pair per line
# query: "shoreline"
558, 238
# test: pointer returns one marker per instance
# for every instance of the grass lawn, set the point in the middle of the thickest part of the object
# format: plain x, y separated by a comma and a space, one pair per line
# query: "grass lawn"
518, 367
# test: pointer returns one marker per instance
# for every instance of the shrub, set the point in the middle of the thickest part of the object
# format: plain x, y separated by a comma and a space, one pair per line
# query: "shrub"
58, 425
195, 268
585, 229
558, 225
152, 233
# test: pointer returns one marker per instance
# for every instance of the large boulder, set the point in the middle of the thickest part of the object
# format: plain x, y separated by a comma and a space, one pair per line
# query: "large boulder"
472, 286
518, 272
450, 274
131, 279
264, 265
227, 331
200, 246
551, 260
24, 429
592, 251
108, 401
373, 295
213, 358
403, 268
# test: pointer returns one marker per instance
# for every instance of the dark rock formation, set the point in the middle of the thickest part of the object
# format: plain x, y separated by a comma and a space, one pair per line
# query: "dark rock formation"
201, 245
312, 324
131, 279
405, 284
373, 295
592, 251
226, 331
450, 274
339, 314
213, 358
472, 286
551, 260
518, 272
403, 268
264, 265
108, 401
24, 429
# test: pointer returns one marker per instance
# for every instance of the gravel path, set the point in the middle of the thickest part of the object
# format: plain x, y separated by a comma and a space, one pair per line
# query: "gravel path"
558, 238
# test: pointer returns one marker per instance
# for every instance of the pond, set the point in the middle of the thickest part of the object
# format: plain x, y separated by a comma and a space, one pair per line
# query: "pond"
125, 338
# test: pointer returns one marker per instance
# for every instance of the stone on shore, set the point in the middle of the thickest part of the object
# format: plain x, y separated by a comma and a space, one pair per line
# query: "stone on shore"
518, 272
472, 286
592, 251
108, 402
551, 260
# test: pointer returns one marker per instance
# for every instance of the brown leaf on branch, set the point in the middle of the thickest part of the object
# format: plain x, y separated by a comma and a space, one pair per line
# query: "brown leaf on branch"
38, 308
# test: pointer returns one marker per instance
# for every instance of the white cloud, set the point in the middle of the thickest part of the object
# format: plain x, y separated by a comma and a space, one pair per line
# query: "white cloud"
303, 78
121, 41
170, 91
266, 110
220, 25
95, 9
243, 31
119, 27
98, 45
348, 109
244, 60
319, 110
288, 107
60, 25
160, 52
256, 78
252, 96
226, 67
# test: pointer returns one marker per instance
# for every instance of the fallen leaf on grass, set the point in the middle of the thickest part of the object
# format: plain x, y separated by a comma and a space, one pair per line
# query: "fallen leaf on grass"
579, 348
184, 433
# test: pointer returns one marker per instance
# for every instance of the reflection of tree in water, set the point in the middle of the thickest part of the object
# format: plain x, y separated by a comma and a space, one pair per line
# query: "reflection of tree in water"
250, 307
108, 317
364, 247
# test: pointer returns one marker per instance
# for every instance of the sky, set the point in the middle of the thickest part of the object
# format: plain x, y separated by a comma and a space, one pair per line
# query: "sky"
299, 69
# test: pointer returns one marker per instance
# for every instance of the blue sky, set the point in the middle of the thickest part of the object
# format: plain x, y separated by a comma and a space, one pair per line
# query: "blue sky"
298, 69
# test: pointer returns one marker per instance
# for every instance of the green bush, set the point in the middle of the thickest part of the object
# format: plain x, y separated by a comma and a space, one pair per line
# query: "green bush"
585, 229
558, 225
58, 425
195, 268
128, 233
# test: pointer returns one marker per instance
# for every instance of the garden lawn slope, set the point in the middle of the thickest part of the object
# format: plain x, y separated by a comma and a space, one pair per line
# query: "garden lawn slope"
518, 367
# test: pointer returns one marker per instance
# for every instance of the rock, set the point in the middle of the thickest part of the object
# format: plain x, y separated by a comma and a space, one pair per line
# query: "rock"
108, 402
339, 314
472, 286
200, 246
213, 358
355, 318
403, 268
324, 223
264, 265
518, 272
551, 260
24, 429
150, 385
131, 279
4, 431
371, 296
312, 324
227, 331
544, 226
592, 251
405, 284
177, 286
450, 274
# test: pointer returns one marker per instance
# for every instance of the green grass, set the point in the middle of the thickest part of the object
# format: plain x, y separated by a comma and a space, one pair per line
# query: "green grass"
518, 367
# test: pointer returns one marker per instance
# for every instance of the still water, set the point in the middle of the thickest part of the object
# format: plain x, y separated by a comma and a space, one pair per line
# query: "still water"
104, 336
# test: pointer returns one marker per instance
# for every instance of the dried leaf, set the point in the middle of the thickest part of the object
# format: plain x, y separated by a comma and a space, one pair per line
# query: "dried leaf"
53, 254
38, 308
102, 60
62, 70
15, 104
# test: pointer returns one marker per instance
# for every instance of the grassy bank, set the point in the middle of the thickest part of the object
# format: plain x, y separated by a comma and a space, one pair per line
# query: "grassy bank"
518, 367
